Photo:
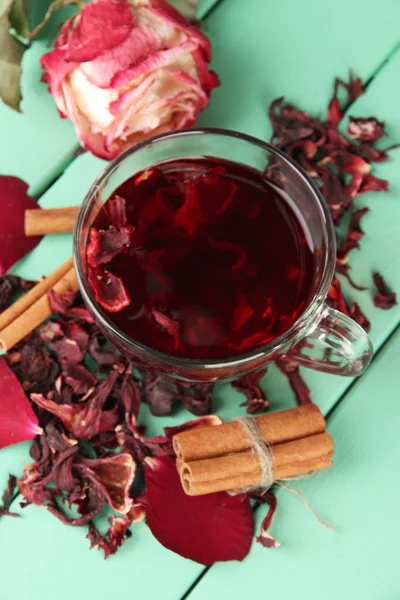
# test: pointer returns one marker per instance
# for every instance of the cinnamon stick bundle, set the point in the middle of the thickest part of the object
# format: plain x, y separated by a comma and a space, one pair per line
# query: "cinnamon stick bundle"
220, 457
28, 312
39, 221
275, 428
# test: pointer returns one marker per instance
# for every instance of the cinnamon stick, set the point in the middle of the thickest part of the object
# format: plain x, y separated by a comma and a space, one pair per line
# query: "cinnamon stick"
22, 304
237, 471
219, 440
36, 313
40, 221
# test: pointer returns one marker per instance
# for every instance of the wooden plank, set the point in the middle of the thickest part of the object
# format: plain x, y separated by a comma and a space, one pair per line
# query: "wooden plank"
360, 495
273, 31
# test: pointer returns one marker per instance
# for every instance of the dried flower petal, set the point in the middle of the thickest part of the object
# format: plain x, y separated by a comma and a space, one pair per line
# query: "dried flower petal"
169, 325
103, 246
200, 422
297, 383
206, 529
249, 385
9, 494
383, 298
370, 183
87, 419
115, 537
108, 290
18, 422
266, 497
117, 212
190, 215
365, 130
14, 201
114, 476
358, 316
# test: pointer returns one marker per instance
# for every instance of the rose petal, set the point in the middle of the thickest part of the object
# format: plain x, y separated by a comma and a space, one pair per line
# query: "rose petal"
206, 529
101, 26
14, 201
18, 422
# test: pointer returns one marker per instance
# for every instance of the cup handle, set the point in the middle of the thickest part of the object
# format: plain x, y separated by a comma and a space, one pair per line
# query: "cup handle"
337, 345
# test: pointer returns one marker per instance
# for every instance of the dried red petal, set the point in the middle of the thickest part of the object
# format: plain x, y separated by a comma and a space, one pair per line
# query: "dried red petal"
169, 325
109, 290
335, 114
355, 164
115, 537
297, 383
68, 351
14, 201
8, 496
190, 215
117, 212
266, 539
114, 475
86, 419
18, 422
365, 130
383, 298
206, 529
358, 316
370, 183
200, 422
249, 385
103, 246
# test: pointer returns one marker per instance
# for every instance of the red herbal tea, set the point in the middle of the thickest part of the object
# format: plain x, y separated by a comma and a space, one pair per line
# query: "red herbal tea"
200, 258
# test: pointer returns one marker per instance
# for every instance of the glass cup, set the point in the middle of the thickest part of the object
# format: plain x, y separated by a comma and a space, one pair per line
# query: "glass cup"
321, 338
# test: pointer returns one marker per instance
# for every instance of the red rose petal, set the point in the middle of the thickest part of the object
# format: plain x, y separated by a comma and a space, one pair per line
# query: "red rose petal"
206, 529
108, 290
18, 422
101, 25
14, 201
105, 245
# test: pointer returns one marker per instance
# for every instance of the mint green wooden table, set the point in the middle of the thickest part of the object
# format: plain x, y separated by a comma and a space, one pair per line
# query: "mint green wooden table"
262, 49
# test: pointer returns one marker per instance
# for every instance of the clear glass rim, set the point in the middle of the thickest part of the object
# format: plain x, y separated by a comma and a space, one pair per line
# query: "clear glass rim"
303, 322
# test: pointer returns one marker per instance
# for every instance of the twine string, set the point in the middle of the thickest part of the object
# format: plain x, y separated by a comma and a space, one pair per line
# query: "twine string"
264, 453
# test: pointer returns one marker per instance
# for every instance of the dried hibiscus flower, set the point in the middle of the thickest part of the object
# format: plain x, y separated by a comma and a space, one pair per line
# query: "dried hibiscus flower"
383, 298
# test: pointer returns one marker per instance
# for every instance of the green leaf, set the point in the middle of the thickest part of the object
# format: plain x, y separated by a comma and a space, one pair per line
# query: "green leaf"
186, 7
11, 52
19, 17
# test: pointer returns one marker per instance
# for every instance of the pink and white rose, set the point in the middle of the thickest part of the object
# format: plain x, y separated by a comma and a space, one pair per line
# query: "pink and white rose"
124, 70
